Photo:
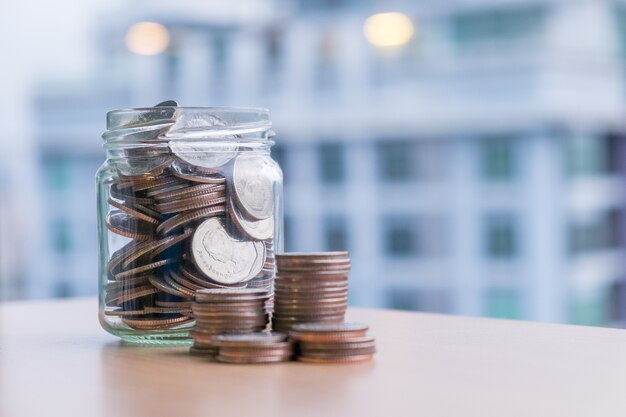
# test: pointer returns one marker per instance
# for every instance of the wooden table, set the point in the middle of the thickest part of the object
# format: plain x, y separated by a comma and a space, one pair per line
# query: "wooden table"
56, 361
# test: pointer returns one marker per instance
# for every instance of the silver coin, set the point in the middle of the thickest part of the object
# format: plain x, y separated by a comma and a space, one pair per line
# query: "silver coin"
256, 230
253, 188
223, 258
205, 155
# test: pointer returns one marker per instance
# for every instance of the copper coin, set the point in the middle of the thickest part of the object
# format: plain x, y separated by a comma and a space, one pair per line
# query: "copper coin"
172, 283
190, 191
144, 268
128, 226
313, 255
120, 312
158, 183
128, 198
128, 295
253, 360
149, 324
170, 241
167, 310
186, 217
253, 339
174, 304
209, 295
127, 283
163, 286
305, 350
199, 279
192, 203
337, 360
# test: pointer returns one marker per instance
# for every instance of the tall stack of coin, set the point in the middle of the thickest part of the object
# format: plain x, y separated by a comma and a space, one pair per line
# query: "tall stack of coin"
190, 216
333, 342
310, 288
227, 311
253, 348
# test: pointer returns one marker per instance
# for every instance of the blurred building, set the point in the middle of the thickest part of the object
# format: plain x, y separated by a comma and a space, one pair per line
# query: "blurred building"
471, 160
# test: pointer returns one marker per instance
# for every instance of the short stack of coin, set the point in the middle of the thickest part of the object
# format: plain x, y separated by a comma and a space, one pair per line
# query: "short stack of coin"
310, 288
227, 311
253, 348
333, 342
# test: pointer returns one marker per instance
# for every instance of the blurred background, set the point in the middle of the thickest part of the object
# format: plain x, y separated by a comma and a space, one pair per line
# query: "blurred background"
469, 154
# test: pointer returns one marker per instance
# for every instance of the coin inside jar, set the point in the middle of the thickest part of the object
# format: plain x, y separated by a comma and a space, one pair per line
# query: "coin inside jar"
224, 258
253, 190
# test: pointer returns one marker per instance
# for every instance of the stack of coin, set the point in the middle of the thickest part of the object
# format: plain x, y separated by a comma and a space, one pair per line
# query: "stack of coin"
310, 288
333, 342
253, 348
227, 311
185, 216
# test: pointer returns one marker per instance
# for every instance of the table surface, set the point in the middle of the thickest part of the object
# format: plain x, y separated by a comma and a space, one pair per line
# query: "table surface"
55, 360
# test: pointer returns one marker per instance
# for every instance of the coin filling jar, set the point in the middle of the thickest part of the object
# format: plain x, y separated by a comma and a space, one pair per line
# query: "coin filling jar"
188, 199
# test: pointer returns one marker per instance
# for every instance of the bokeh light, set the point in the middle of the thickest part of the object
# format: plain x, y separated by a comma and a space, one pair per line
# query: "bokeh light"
388, 29
147, 38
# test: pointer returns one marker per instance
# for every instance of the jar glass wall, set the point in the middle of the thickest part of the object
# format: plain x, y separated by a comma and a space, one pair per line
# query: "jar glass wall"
188, 198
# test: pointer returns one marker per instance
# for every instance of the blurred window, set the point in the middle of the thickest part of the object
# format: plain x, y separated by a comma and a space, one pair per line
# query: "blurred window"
332, 168
500, 235
336, 233
590, 155
395, 160
598, 234
497, 25
274, 50
431, 162
498, 158
326, 76
504, 304
400, 236
589, 309
58, 172
60, 234
411, 299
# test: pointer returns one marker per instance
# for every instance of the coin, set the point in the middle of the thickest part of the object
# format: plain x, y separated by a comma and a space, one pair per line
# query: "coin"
150, 324
257, 230
128, 226
181, 219
253, 190
195, 174
205, 155
144, 268
337, 360
224, 258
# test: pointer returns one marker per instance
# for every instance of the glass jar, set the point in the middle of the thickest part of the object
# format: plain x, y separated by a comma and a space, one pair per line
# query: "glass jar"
188, 198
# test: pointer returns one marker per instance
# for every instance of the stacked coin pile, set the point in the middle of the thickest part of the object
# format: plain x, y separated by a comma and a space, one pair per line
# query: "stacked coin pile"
333, 342
253, 348
227, 311
310, 288
198, 216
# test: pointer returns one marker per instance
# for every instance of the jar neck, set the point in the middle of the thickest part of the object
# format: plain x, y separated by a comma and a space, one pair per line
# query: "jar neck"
156, 130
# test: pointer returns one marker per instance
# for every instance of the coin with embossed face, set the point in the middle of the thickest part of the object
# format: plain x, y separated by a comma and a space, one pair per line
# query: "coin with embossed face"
252, 186
223, 258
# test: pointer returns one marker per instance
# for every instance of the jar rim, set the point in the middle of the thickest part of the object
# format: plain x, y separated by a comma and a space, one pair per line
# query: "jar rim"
186, 122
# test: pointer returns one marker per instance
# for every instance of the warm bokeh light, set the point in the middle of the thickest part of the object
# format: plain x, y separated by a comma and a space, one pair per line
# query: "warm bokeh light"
388, 29
147, 38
